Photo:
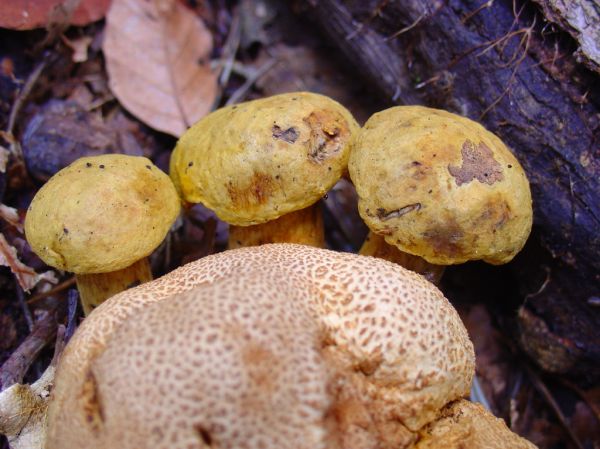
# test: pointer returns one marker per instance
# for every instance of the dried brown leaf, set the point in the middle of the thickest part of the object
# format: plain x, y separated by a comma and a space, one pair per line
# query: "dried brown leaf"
157, 60
26, 276
29, 14
11, 216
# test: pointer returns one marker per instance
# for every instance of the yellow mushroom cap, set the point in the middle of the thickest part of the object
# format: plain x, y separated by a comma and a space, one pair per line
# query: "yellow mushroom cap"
440, 186
278, 346
255, 161
101, 214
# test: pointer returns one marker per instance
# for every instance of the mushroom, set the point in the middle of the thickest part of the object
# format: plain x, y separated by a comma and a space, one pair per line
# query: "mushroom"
463, 424
277, 346
263, 165
99, 218
436, 186
23, 412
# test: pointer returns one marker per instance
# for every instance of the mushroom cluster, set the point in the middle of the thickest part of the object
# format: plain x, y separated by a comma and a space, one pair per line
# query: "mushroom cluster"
277, 346
281, 345
263, 165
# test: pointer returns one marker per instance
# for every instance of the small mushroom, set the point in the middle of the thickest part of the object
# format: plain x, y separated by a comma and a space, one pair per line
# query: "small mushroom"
263, 165
99, 218
436, 186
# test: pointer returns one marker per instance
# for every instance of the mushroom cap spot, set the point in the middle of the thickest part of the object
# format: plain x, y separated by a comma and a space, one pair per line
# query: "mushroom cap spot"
465, 424
101, 214
255, 161
440, 186
333, 329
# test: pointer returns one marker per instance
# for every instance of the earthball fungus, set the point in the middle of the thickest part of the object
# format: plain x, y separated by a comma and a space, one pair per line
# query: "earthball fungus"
99, 218
276, 346
264, 164
440, 187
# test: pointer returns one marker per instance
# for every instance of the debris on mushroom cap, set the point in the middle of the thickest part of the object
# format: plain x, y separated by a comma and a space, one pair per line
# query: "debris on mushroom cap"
352, 349
464, 424
255, 161
101, 214
440, 186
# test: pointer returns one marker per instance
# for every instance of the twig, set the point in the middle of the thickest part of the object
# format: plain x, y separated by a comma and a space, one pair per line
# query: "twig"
542, 287
230, 49
477, 10
406, 28
24, 93
543, 390
15, 368
59, 345
17, 105
53, 291
73, 301
241, 92
375, 13
593, 405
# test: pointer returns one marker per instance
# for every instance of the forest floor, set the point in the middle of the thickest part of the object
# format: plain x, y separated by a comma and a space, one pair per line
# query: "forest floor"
61, 99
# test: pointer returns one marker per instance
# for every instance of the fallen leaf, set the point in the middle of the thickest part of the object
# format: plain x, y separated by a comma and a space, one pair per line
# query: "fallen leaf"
157, 58
29, 14
26, 276
11, 216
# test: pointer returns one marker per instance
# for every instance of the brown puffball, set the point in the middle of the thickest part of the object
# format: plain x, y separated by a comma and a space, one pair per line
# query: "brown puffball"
256, 161
440, 186
278, 346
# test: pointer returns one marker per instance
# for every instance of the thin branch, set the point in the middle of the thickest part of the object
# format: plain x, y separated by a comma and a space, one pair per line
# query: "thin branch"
241, 92
14, 369
53, 291
545, 393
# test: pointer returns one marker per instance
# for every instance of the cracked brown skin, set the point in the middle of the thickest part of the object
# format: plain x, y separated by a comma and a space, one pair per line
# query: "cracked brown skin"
440, 186
477, 163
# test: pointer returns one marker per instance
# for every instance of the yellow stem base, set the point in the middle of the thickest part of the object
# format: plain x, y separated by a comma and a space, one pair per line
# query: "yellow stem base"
304, 226
96, 288
376, 246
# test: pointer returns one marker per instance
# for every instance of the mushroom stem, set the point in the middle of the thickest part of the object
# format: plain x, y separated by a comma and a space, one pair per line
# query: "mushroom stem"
96, 288
304, 226
376, 246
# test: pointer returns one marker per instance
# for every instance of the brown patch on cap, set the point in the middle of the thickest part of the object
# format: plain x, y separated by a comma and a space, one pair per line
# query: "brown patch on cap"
289, 135
329, 133
257, 192
445, 238
259, 362
478, 163
91, 403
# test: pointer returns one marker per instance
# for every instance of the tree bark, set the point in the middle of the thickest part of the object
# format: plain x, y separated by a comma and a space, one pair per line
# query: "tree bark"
504, 64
